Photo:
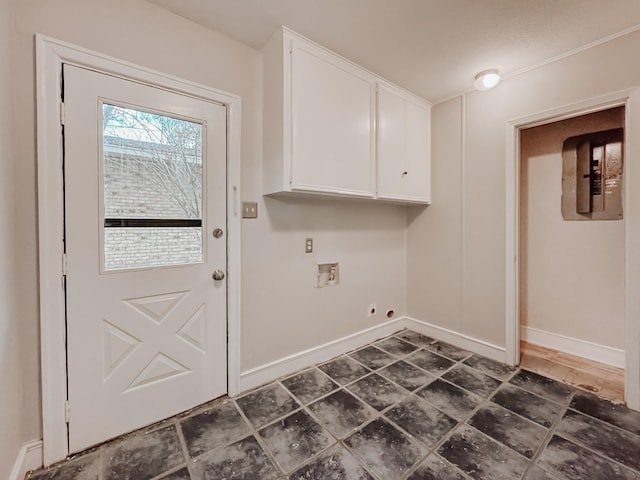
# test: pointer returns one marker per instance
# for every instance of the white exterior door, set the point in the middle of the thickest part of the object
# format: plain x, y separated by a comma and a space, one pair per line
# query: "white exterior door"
145, 188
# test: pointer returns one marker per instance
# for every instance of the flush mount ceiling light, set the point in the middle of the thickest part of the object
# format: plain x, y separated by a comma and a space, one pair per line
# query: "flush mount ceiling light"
487, 79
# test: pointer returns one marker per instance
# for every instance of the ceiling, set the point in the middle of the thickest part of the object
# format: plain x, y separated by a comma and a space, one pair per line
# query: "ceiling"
431, 47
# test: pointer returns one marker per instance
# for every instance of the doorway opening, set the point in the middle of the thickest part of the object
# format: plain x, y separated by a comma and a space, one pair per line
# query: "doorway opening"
572, 250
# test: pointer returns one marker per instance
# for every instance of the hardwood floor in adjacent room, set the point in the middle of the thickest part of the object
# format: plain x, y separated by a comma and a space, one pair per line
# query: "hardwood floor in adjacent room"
603, 380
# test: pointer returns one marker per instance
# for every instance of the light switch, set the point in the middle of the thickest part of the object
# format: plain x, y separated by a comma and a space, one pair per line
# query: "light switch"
249, 209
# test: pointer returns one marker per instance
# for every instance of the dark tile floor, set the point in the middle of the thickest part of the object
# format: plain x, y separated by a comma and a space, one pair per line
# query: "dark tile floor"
404, 408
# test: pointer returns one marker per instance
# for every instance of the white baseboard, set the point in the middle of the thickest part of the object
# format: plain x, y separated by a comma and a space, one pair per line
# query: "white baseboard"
457, 339
29, 458
267, 373
574, 346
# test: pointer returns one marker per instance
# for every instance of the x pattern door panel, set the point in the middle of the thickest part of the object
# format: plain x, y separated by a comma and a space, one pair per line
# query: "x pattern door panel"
170, 332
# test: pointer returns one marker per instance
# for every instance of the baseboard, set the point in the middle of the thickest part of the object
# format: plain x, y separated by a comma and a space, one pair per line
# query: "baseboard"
29, 458
458, 339
574, 346
267, 373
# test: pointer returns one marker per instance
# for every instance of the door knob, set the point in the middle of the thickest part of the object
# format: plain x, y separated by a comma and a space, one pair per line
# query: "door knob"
218, 275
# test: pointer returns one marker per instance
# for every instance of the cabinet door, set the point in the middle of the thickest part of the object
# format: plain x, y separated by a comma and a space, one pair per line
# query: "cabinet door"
332, 124
404, 130
418, 159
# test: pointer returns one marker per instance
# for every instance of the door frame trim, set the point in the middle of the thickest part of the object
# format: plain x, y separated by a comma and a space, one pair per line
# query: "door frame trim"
50, 55
632, 230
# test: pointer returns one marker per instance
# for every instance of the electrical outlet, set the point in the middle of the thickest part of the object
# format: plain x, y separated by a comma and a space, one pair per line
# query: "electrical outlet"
308, 245
372, 310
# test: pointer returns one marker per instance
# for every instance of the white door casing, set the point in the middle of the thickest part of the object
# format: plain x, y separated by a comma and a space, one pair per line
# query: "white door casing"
631, 100
143, 343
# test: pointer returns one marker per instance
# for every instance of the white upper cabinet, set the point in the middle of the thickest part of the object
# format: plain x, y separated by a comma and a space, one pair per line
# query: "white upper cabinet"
404, 146
332, 105
320, 127
318, 121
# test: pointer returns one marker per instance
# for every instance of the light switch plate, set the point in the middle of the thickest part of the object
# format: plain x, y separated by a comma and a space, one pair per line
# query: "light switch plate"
249, 209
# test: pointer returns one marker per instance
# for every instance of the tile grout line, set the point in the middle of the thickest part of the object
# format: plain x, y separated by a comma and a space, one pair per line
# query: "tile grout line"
533, 461
406, 393
485, 401
433, 450
183, 444
381, 413
340, 441
378, 414
545, 443
580, 443
596, 452
599, 420
254, 432
304, 408
430, 450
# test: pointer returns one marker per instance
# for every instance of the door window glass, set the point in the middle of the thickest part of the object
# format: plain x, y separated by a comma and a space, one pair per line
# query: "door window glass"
151, 189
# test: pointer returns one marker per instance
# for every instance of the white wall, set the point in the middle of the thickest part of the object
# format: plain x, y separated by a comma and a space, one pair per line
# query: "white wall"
282, 312
434, 239
476, 269
11, 391
571, 272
